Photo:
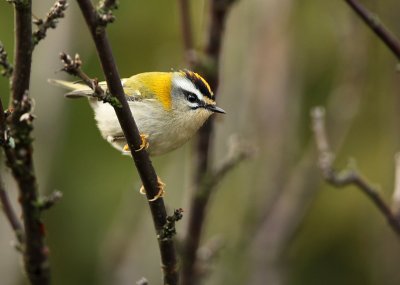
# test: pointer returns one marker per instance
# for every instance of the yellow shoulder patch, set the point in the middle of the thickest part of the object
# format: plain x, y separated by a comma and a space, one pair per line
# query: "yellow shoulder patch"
152, 84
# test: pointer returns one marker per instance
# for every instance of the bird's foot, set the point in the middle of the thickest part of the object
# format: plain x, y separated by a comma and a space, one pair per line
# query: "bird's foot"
144, 145
161, 190
145, 142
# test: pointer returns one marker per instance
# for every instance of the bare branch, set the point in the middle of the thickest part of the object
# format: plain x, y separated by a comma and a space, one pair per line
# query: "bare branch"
375, 24
7, 67
347, 176
50, 22
128, 125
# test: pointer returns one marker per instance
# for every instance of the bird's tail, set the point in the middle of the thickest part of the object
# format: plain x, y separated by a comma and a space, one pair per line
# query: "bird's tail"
78, 90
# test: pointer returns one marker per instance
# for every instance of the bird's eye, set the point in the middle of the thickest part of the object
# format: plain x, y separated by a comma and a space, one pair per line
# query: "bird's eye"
192, 98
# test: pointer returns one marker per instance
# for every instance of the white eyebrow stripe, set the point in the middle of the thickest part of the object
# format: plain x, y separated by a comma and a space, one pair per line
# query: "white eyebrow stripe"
187, 85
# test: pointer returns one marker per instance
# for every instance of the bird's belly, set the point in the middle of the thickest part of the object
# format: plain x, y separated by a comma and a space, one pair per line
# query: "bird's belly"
165, 132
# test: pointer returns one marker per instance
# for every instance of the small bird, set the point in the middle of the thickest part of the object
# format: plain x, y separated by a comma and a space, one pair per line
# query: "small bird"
168, 108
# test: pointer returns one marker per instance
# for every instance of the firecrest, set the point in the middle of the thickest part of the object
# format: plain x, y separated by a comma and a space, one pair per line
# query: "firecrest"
168, 107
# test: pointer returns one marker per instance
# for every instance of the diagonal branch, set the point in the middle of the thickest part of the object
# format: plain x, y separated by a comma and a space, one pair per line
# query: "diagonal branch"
372, 21
347, 176
128, 125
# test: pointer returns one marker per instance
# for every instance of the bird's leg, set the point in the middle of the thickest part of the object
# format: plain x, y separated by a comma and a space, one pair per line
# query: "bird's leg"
112, 139
143, 145
161, 190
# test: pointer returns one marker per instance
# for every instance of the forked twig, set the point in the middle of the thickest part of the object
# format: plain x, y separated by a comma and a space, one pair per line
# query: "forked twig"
347, 176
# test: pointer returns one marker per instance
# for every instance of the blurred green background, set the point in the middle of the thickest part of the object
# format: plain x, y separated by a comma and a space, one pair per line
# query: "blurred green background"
279, 223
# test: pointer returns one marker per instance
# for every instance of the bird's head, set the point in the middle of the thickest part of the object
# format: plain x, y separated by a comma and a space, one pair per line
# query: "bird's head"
190, 93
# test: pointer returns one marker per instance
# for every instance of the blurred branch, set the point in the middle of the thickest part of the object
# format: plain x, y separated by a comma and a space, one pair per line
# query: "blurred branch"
209, 66
396, 192
50, 22
7, 67
237, 152
128, 125
347, 176
375, 24
186, 28
207, 255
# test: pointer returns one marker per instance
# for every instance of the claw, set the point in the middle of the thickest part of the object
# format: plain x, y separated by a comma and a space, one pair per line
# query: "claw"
144, 144
161, 190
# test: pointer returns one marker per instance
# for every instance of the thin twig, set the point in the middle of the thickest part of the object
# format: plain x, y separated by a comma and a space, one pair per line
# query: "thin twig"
372, 21
237, 153
11, 215
73, 67
50, 22
210, 67
7, 67
20, 124
128, 125
49, 201
347, 176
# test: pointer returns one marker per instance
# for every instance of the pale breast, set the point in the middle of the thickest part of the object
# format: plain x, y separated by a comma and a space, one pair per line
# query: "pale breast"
166, 130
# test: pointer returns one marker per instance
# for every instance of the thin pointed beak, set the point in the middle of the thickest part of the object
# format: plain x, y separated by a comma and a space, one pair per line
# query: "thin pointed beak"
215, 109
